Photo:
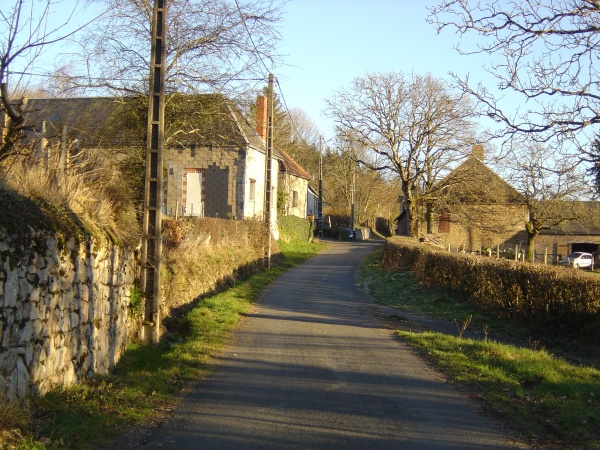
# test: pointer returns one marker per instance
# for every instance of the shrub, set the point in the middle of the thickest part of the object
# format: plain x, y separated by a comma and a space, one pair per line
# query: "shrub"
566, 300
203, 255
295, 229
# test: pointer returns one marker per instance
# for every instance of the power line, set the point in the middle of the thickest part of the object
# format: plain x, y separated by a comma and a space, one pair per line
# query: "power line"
250, 36
265, 65
82, 77
295, 128
287, 109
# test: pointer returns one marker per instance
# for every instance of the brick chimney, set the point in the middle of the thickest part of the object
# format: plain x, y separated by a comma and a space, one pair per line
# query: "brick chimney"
261, 116
477, 151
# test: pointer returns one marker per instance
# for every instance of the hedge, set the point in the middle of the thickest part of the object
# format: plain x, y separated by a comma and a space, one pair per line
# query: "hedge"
295, 229
565, 299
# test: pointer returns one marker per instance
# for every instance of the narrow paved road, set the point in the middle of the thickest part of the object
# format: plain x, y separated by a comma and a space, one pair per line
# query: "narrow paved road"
311, 368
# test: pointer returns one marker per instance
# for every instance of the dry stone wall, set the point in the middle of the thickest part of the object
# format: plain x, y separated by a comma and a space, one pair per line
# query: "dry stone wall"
64, 309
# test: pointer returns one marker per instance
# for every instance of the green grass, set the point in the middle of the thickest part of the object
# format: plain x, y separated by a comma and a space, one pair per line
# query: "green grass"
147, 378
401, 290
296, 252
548, 399
543, 396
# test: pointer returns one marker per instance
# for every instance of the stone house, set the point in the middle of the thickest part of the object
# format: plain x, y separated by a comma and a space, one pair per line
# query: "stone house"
214, 160
293, 184
477, 208
219, 171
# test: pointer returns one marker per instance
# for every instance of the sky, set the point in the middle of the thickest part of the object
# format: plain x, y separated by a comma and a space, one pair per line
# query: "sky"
328, 43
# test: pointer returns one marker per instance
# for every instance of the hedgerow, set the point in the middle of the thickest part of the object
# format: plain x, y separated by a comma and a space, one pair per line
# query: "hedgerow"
561, 300
295, 229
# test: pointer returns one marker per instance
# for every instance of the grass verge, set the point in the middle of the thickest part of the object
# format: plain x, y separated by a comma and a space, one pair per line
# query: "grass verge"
147, 378
545, 397
548, 399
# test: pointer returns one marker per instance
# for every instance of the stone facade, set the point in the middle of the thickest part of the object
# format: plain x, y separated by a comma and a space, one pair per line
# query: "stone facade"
222, 172
64, 310
472, 227
227, 176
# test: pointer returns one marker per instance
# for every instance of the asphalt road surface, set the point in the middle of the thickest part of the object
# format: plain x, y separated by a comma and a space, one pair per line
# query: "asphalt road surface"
312, 368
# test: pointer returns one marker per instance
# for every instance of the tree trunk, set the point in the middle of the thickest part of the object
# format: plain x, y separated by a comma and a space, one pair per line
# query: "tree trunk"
407, 217
531, 235
411, 219
429, 218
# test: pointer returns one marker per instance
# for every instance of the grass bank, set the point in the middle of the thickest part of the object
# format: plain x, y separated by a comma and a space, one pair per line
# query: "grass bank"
146, 380
553, 402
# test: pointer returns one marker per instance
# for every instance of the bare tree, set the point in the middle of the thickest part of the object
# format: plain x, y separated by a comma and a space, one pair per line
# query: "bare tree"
551, 186
27, 29
544, 50
212, 44
298, 136
414, 125
346, 182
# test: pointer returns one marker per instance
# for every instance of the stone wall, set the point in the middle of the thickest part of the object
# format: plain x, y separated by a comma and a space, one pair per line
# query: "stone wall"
64, 310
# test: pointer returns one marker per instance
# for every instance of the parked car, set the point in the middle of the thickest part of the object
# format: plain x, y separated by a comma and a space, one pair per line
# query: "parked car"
345, 234
577, 260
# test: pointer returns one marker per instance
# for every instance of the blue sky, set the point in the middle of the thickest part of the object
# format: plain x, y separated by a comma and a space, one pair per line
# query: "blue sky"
328, 43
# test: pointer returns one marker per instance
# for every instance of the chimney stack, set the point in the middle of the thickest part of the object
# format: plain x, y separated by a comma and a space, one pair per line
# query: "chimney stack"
261, 116
477, 151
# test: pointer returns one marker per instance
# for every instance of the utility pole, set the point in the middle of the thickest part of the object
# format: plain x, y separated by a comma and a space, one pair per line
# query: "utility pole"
62, 161
151, 239
268, 164
320, 199
352, 204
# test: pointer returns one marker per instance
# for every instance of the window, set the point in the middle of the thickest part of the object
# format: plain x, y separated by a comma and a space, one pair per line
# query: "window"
294, 199
252, 192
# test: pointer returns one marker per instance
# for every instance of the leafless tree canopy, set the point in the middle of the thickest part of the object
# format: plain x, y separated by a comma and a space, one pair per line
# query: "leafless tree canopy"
545, 50
26, 32
551, 185
413, 126
212, 44
346, 182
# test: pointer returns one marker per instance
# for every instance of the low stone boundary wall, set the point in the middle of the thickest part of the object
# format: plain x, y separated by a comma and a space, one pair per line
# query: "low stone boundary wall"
64, 310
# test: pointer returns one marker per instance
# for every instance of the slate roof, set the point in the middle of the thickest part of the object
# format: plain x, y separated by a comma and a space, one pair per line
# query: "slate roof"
88, 119
474, 182
288, 165
207, 119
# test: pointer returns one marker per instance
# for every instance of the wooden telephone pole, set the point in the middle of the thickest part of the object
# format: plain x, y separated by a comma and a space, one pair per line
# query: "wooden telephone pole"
151, 239
268, 171
320, 199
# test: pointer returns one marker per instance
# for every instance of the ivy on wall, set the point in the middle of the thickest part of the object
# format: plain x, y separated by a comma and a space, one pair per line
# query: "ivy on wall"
295, 229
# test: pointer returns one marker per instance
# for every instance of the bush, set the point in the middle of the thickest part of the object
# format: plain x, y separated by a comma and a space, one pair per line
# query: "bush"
295, 229
566, 300
204, 255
